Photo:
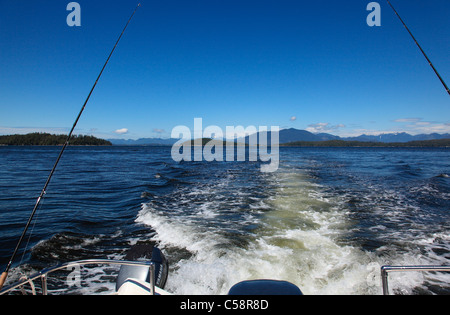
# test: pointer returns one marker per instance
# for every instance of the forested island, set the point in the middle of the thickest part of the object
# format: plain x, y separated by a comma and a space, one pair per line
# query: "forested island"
46, 139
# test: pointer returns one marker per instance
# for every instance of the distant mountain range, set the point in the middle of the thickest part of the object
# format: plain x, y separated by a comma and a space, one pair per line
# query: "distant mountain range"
295, 135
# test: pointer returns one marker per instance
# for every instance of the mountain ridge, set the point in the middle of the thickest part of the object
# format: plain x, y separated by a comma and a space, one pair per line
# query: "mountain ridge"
297, 135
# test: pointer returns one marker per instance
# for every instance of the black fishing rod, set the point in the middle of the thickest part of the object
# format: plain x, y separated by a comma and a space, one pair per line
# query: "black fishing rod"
66, 144
423, 52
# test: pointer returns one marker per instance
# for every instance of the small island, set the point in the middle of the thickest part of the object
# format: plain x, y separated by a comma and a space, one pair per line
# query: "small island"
46, 139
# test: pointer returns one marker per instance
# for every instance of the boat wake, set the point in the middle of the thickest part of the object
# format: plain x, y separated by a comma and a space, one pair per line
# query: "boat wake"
290, 227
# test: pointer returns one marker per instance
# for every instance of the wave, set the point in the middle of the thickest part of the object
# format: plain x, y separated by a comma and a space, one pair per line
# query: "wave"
64, 247
290, 226
294, 236
327, 220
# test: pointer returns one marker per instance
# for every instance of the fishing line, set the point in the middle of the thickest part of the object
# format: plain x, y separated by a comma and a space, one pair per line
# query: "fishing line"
423, 52
36, 219
44, 190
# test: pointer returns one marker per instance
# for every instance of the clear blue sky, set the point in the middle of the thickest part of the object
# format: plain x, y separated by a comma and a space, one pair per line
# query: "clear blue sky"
234, 62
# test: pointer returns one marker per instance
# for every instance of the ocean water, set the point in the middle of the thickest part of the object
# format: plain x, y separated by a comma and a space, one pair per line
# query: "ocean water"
327, 220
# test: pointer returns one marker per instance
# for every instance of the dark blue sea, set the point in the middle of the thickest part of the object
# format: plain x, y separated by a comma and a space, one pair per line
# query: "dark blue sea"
326, 220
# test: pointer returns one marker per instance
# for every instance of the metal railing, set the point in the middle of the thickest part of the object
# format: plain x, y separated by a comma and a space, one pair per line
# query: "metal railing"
385, 270
43, 275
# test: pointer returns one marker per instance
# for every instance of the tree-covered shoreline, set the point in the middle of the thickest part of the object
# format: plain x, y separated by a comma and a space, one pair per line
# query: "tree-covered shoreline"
342, 144
46, 139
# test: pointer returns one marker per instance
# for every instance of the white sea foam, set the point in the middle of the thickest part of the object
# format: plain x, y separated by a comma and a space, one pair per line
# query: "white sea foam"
296, 241
300, 238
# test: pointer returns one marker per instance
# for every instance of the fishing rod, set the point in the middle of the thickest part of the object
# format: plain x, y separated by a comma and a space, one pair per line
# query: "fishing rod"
423, 52
66, 144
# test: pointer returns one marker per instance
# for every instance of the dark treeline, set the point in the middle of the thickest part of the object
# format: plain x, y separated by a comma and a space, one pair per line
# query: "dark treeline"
341, 143
51, 140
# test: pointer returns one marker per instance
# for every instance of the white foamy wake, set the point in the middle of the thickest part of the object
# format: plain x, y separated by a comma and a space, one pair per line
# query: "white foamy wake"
298, 239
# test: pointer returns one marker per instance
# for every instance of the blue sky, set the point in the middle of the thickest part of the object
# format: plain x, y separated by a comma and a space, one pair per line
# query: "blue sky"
312, 65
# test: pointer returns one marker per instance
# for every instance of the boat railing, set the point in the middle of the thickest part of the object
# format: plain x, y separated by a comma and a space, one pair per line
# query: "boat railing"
385, 270
43, 275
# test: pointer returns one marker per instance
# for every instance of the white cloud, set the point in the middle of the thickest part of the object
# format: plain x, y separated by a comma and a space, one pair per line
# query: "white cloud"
408, 120
367, 132
324, 127
159, 131
417, 126
121, 131
293, 118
